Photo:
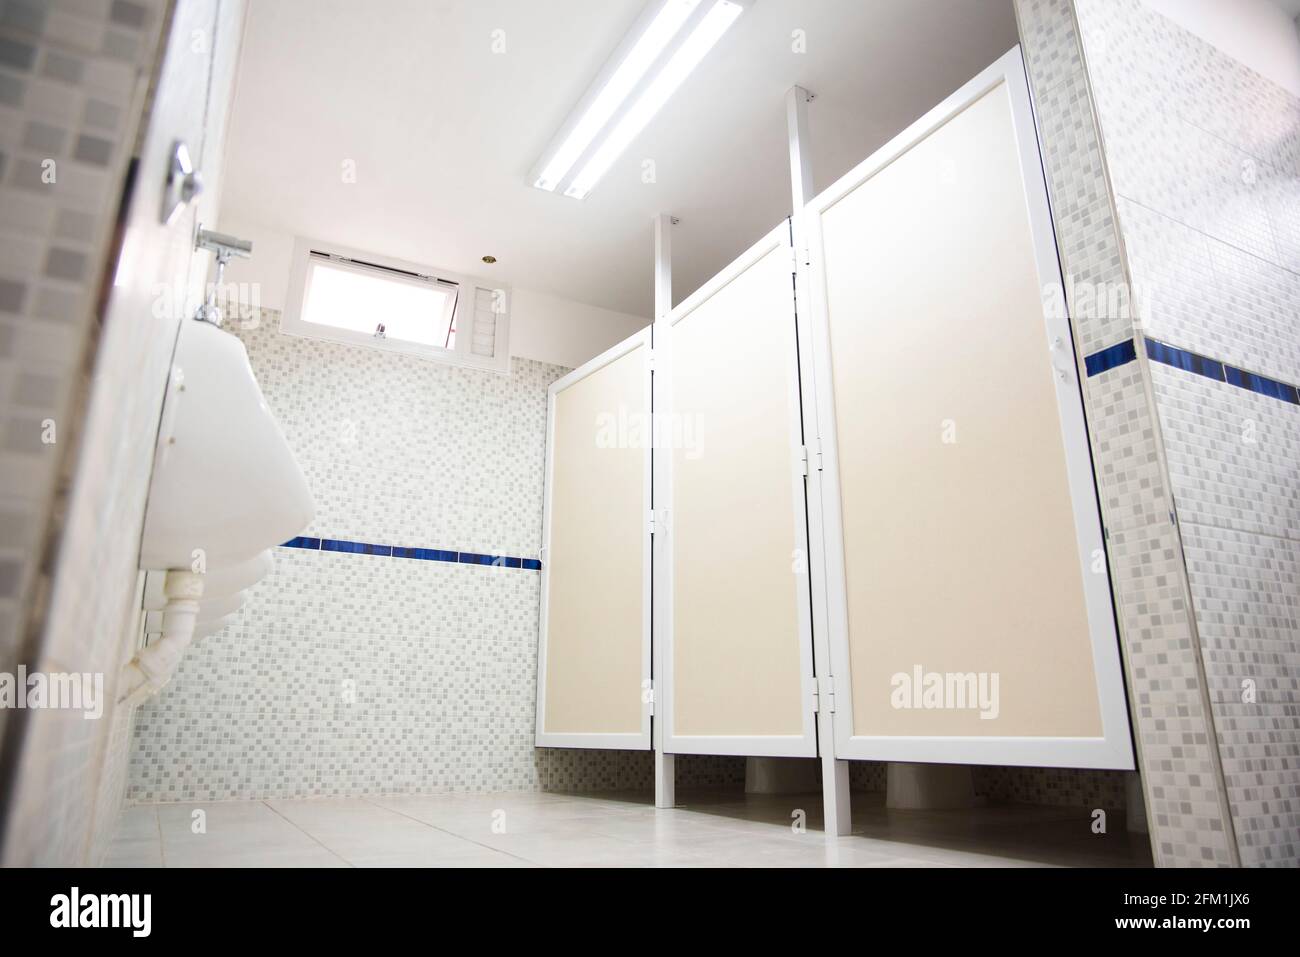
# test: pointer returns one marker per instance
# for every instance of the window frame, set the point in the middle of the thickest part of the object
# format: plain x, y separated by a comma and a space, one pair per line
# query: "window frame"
293, 323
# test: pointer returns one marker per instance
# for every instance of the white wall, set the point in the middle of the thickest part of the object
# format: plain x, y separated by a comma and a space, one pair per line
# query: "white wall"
543, 327
1259, 33
563, 332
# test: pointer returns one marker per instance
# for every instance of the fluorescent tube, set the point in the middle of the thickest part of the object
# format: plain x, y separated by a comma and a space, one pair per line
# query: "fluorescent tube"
640, 58
679, 66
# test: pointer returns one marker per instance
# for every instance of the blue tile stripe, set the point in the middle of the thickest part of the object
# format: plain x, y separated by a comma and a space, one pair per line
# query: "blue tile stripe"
1119, 354
1187, 361
424, 554
1125, 352
418, 554
1263, 385
357, 548
1221, 372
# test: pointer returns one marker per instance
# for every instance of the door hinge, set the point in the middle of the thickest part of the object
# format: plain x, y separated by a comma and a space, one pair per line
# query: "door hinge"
652, 521
650, 359
810, 458
799, 257
823, 694
649, 686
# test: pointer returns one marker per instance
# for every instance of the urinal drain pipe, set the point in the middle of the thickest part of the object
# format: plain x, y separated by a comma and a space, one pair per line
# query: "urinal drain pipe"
153, 667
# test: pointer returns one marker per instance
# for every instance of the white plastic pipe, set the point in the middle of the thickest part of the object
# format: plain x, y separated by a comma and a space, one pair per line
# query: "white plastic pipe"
217, 582
150, 670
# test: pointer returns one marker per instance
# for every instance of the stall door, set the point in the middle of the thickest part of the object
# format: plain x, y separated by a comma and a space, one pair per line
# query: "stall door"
594, 648
730, 494
969, 599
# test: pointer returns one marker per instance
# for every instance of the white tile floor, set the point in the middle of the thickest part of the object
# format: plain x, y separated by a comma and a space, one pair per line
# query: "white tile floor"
564, 830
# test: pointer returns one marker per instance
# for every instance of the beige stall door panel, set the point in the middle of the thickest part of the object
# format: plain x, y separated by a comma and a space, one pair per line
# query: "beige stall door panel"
736, 665
960, 547
596, 557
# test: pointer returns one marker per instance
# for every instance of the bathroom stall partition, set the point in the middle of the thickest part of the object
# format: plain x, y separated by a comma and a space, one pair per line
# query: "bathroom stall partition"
733, 575
593, 668
967, 595
907, 388
724, 454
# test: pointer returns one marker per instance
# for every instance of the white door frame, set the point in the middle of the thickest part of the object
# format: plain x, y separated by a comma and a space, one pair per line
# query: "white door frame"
639, 741
836, 797
1114, 748
801, 745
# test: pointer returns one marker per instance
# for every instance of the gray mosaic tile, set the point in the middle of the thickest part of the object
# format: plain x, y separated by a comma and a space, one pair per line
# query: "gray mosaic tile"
1078, 56
1204, 154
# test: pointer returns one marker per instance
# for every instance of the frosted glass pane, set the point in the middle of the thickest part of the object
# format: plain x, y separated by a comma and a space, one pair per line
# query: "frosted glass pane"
347, 298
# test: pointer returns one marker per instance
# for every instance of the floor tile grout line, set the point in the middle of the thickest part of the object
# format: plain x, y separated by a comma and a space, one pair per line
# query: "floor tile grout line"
462, 837
292, 823
162, 845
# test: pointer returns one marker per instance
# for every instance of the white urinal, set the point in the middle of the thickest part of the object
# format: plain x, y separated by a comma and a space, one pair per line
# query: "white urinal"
225, 482
225, 488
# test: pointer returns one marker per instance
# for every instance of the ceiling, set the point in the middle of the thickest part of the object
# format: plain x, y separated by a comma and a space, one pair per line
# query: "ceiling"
443, 130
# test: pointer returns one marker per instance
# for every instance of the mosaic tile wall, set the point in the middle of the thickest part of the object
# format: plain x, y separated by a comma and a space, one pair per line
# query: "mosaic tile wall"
1181, 777
349, 673
867, 776
363, 674
578, 770
1058, 787
1202, 156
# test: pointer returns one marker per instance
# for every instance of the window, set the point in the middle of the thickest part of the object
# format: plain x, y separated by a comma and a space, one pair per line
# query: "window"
361, 299
388, 302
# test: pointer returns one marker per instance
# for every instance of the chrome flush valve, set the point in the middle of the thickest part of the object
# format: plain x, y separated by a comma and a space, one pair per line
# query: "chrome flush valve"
225, 248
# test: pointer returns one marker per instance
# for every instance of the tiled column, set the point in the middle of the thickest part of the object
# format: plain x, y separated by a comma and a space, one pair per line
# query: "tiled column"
1181, 774
73, 82
1203, 155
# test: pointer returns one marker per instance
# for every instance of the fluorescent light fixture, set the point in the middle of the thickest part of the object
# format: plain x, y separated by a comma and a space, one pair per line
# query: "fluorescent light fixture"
669, 41
688, 55
639, 59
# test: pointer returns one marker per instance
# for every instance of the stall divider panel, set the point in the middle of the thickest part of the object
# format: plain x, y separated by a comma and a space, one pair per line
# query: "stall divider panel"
737, 631
969, 602
593, 658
